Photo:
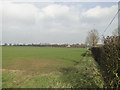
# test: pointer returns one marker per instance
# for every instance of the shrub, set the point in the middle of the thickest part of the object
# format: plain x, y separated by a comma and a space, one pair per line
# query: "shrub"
108, 57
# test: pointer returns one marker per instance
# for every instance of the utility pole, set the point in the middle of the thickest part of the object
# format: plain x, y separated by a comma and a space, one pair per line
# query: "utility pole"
119, 20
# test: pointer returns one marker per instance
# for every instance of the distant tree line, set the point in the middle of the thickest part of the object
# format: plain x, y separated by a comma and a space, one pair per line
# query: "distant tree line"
48, 45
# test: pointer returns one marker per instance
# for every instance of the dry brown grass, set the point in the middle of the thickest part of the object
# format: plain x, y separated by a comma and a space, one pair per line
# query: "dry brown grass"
32, 66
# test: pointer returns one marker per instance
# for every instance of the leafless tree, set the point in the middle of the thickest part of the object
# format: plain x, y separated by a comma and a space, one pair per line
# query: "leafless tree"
92, 38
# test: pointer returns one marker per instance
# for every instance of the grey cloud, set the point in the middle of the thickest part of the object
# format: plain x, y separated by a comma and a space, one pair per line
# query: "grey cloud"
52, 23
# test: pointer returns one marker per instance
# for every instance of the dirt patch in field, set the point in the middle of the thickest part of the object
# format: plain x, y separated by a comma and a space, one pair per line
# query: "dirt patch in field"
5, 70
33, 65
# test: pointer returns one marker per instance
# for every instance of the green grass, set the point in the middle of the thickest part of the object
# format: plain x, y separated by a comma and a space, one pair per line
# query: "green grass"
23, 57
45, 67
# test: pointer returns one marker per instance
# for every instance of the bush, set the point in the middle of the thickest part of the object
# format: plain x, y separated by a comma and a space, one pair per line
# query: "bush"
108, 57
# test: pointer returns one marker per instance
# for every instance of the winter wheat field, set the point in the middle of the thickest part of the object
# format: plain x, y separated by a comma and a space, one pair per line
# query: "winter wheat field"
46, 67
61, 23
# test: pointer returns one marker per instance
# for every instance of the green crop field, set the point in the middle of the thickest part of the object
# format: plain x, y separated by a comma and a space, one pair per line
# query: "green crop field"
48, 67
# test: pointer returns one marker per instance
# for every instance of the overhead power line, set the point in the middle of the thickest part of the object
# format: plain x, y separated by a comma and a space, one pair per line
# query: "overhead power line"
111, 21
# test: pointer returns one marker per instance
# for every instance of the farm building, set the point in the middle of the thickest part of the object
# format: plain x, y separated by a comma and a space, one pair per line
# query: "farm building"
68, 46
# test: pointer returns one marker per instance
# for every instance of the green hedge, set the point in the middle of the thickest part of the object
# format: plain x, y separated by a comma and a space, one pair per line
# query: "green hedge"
108, 58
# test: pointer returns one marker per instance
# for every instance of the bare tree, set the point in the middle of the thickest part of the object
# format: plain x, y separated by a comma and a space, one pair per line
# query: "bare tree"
92, 38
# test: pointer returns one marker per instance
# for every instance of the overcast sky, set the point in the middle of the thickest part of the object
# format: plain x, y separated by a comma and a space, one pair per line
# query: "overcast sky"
55, 22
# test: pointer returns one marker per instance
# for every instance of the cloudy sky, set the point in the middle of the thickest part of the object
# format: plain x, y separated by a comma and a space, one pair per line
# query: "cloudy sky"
55, 22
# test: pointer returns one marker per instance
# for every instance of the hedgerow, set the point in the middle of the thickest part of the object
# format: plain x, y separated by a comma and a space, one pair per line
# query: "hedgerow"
108, 58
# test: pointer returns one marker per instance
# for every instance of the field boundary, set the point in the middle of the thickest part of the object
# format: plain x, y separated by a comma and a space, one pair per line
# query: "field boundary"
77, 62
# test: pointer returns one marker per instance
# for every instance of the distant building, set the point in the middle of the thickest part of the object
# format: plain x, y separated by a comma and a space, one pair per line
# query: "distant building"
68, 46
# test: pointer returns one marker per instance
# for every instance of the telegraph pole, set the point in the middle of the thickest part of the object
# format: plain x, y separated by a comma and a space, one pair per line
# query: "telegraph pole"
119, 20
